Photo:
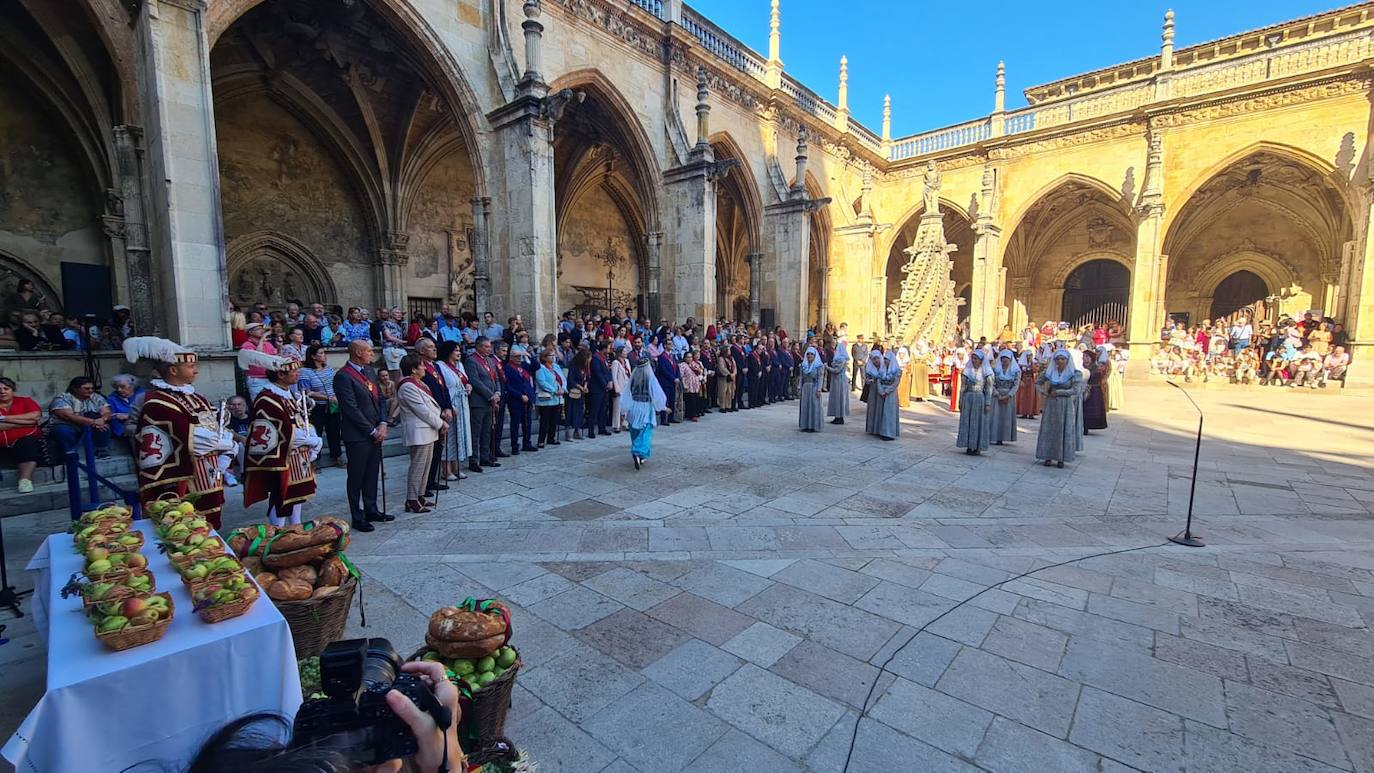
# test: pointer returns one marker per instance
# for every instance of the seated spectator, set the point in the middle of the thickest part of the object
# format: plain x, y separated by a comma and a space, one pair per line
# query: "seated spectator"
1306, 369
126, 395
295, 344
1246, 365
30, 335
77, 409
20, 437
239, 421
1333, 366
1277, 373
74, 334
312, 331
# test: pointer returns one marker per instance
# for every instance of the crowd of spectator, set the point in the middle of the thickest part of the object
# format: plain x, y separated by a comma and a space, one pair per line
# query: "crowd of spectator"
1310, 352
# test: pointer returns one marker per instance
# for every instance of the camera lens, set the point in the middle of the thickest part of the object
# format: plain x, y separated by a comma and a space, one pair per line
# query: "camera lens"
380, 666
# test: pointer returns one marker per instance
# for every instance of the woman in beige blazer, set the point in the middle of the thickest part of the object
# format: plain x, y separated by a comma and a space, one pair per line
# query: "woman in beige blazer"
421, 425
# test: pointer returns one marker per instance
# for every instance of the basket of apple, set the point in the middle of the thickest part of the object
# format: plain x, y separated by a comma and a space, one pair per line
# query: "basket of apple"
181, 530
93, 593
102, 565
207, 571
221, 600
123, 542
168, 506
100, 531
129, 622
195, 548
104, 514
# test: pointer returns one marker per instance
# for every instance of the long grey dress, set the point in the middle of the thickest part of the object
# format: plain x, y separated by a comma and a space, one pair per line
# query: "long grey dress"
838, 406
874, 418
1061, 425
975, 421
811, 417
1004, 413
890, 422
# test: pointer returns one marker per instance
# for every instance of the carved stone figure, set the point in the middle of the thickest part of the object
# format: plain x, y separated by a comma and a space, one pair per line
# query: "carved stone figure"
931, 194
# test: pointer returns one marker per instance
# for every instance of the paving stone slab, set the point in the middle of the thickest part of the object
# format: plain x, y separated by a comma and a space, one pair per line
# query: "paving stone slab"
878, 747
1034, 645
633, 727
786, 717
1209, 750
692, 668
1030, 696
839, 627
736, 751
761, 644
1011, 747
830, 673
723, 584
631, 637
1154, 743
933, 717
701, 617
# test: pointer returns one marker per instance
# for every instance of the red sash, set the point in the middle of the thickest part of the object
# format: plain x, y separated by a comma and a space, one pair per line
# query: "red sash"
430, 370
361, 378
417, 382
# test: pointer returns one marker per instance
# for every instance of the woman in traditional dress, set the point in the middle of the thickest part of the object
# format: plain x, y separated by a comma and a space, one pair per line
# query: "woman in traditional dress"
725, 380
1006, 377
920, 371
904, 382
810, 415
890, 420
458, 444
1061, 436
975, 404
873, 371
1116, 387
693, 382
620, 382
838, 368
961, 361
1028, 399
646, 402
1094, 401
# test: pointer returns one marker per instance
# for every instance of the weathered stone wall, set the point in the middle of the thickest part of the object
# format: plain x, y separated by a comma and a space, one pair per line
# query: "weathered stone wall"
276, 177
593, 220
438, 228
48, 211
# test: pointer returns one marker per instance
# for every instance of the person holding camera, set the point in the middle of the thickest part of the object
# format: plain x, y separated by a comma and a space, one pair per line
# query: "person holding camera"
242, 746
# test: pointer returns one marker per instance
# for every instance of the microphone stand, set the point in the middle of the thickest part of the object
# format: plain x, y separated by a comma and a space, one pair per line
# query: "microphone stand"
1187, 538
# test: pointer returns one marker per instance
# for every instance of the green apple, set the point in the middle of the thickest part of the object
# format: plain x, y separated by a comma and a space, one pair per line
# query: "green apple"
186, 507
463, 667
140, 582
486, 678
197, 571
158, 602
472, 682
99, 567
113, 623
147, 617
486, 664
505, 657
136, 560
431, 656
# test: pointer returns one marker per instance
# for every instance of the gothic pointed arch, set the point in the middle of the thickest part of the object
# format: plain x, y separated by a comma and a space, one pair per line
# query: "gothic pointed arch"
738, 222
1072, 222
275, 268
606, 184
347, 127
820, 224
1271, 210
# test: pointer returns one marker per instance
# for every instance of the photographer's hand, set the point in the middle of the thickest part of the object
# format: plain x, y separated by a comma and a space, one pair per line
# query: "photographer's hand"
434, 744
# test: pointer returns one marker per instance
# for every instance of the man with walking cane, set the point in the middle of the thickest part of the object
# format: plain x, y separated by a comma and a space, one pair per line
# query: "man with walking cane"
363, 428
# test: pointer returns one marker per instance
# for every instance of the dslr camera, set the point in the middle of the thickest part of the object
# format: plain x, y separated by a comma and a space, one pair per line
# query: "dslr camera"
353, 718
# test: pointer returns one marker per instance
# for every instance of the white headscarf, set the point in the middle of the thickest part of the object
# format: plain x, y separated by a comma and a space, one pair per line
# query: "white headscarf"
1057, 377
903, 356
1007, 355
874, 366
977, 366
841, 352
1027, 358
812, 368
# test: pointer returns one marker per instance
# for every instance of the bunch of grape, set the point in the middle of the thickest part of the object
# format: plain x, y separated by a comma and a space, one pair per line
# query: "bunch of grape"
310, 678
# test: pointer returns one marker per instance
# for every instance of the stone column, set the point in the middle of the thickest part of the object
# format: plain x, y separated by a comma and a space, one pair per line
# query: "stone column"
523, 129
1360, 303
481, 255
142, 284
653, 242
787, 236
690, 240
185, 232
878, 291
986, 296
852, 293
1148, 272
392, 260
755, 260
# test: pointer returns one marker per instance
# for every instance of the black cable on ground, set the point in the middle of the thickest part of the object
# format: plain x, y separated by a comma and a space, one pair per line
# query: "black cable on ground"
853, 737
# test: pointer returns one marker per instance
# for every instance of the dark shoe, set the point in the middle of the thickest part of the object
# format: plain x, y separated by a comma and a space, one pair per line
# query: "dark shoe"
474, 467
363, 526
439, 487
380, 517
837, 420
637, 462
529, 448
555, 442
501, 454
1060, 465
541, 444
491, 464
513, 452
577, 435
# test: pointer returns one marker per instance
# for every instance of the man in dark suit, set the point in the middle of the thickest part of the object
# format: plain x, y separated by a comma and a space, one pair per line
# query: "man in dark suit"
484, 397
600, 388
434, 379
858, 352
497, 359
363, 427
742, 375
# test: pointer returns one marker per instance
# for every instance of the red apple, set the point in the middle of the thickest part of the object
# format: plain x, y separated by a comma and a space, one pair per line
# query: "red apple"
133, 607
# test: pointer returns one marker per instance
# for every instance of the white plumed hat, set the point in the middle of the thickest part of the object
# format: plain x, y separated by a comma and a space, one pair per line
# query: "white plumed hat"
154, 348
251, 358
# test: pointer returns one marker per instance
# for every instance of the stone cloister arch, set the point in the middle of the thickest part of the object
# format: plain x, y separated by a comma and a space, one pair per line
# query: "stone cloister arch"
958, 231
738, 219
818, 258
62, 198
1071, 222
606, 185
1269, 210
342, 132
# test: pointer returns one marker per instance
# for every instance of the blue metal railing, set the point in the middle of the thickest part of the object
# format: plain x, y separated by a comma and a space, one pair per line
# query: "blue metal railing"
94, 480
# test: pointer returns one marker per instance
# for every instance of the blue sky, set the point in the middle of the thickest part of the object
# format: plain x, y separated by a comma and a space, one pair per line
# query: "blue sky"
938, 60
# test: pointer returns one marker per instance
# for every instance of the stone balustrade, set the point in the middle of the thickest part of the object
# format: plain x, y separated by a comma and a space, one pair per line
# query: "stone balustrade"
941, 139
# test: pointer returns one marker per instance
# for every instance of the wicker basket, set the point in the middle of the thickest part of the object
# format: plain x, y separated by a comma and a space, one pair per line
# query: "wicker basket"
484, 715
133, 637
214, 577
221, 612
315, 623
107, 540
152, 588
210, 548
115, 575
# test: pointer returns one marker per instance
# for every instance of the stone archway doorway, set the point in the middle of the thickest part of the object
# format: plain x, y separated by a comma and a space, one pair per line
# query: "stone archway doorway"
1096, 292
1240, 290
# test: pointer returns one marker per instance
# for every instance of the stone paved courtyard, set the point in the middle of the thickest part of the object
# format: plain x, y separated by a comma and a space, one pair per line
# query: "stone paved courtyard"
728, 607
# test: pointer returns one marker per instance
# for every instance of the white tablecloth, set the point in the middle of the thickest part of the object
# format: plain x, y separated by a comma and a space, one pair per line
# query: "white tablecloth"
105, 710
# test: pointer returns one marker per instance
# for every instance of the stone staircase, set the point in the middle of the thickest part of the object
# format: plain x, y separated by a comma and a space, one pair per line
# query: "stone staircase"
50, 483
